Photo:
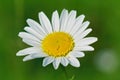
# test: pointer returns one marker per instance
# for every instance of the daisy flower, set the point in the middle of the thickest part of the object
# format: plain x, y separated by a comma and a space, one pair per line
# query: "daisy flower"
61, 41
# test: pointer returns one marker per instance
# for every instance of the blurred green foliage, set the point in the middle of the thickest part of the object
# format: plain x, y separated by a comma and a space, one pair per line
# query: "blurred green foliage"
104, 16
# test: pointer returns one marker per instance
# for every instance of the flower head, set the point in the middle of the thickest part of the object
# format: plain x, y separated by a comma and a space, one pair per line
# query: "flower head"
60, 41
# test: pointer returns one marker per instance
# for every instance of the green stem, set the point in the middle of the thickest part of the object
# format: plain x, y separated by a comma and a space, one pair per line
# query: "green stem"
66, 75
72, 77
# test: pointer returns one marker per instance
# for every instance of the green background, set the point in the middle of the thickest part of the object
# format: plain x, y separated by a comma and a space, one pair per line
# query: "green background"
101, 64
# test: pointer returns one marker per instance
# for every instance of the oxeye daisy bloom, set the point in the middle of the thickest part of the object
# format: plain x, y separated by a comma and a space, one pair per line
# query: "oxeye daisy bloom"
61, 41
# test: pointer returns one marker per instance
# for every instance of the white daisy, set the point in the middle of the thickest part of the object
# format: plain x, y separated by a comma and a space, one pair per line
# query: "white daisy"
60, 41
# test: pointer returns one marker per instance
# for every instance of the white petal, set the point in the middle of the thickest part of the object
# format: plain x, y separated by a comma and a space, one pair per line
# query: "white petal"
33, 32
86, 41
39, 55
73, 61
33, 56
83, 27
31, 42
63, 19
36, 26
56, 62
83, 34
71, 21
26, 58
77, 25
64, 61
30, 50
30, 57
45, 23
47, 61
55, 21
25, 35
84, 48
77, 54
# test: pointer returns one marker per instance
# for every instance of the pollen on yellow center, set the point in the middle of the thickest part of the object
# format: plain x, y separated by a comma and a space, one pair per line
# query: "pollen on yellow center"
57, 44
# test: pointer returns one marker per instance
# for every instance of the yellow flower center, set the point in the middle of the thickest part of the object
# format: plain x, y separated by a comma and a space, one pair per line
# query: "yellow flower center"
57, 44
